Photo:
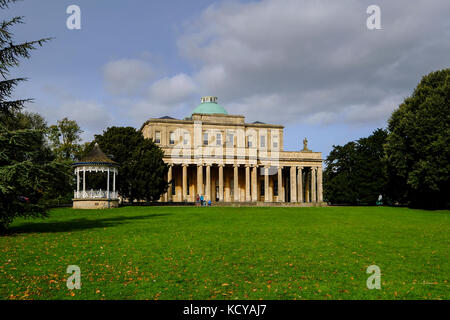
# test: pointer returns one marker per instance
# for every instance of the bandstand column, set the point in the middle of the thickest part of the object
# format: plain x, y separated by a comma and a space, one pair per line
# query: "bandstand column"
236, 183
78, 181
300, 184
280, 183
84, 181
221, 182
254, 184
184, 186
293, 184
208, 182
247, 183
107, 187
114, 181
266, 184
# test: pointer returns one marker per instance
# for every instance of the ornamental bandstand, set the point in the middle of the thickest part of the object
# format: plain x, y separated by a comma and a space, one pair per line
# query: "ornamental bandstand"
95, 161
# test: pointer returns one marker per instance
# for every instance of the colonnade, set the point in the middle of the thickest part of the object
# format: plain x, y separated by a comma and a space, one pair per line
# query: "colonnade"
290, 183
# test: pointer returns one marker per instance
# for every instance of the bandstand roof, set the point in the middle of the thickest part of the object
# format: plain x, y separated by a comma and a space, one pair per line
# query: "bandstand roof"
95, 157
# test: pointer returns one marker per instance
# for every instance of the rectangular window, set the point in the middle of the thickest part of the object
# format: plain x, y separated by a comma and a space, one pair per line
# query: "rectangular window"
250, 141
205, 138
158, 137
262, 188
219, 139
186, 138
263, 141
172, 138
275, 141
275, 188
173, 188
230, 139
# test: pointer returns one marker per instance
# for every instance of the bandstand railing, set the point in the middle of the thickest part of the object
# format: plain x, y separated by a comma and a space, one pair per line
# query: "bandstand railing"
95, 194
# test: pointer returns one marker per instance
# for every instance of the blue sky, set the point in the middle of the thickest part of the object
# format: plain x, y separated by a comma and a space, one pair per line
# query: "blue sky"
312, 66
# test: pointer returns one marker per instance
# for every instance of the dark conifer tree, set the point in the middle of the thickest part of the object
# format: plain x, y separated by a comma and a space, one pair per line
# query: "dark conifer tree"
27, 169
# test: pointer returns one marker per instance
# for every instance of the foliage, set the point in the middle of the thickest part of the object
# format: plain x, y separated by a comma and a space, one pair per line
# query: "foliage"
26, 174
418, 146
26, 167
228, 253
142, 170
356, 172
65, 139
23, 120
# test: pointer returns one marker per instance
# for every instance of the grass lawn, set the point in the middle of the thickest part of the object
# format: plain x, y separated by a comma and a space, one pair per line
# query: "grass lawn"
228, 253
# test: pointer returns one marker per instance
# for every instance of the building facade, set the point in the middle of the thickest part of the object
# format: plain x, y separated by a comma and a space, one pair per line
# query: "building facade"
225, 159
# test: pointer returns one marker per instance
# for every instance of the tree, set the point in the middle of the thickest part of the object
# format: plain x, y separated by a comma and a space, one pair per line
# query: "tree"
148, 171
418, 146
142, 170
26, 170
65, 139
23, 120
356, 172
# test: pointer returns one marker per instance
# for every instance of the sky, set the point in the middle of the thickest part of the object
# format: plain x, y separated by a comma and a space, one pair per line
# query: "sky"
312, 66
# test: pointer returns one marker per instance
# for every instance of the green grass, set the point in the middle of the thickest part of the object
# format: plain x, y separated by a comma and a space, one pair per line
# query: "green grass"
228, 253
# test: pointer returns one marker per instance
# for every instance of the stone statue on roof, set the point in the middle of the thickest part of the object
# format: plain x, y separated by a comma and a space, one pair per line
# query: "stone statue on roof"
305, 145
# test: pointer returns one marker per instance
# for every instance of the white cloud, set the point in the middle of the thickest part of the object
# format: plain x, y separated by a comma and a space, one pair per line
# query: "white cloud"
91, 116
126, 76
315, 61
172, 90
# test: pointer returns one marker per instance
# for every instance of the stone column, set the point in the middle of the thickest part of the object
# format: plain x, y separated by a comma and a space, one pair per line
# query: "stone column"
307, 186
184, 193
247, 183
208, 182
300, 184
319, 185
221, 182
293, 184
236, 183
169, 179
266, 184
280, 183
254, 184
313, 185
200, 179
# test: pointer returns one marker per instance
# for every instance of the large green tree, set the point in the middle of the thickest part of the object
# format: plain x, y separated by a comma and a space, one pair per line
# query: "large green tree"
356, 172
65, 139
418, 146
27, 169
142, 171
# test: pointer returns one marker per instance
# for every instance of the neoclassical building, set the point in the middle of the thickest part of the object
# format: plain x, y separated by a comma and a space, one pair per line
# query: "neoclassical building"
225, 159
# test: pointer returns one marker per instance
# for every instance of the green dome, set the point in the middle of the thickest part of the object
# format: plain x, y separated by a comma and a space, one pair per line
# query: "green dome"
209, 105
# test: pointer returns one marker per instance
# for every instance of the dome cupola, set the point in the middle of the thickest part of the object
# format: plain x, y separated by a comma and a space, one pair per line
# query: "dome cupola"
209, 105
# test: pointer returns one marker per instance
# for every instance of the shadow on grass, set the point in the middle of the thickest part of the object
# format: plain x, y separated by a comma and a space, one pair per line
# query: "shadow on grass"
76, 224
